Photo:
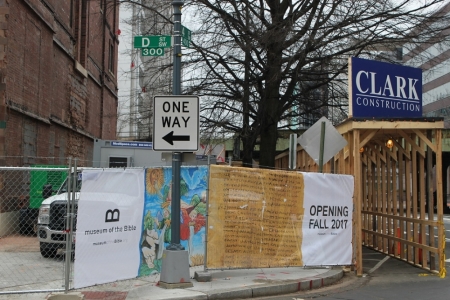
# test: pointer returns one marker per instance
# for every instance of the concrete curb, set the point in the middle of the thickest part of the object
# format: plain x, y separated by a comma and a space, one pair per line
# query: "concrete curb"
305, 284
250, 291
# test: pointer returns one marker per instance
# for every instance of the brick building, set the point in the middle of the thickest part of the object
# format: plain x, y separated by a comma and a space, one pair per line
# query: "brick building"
58, 85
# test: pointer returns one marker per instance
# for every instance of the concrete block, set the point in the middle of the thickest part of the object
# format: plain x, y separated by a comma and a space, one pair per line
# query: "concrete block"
175, 269
178, 285
202, 276
69, 296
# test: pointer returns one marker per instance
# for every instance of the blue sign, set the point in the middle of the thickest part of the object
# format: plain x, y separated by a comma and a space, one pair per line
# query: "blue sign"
132, 144
380, 89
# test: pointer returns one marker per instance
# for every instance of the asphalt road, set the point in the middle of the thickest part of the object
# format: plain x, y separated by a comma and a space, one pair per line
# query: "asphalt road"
385, 278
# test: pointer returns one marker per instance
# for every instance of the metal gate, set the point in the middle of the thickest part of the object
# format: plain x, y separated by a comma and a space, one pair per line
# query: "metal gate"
26, 265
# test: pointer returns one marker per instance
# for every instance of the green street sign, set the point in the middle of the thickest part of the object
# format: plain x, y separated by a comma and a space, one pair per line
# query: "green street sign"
155, 41
186, 35
152, 51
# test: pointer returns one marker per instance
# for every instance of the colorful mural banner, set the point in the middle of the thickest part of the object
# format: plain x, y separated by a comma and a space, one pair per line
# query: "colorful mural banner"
156, 232
263, 218
124, 217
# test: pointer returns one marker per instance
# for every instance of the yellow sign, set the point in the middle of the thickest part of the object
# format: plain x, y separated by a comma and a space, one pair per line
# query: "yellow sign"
255, 218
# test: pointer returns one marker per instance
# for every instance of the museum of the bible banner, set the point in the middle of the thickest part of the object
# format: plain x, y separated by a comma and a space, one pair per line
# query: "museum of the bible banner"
262, 218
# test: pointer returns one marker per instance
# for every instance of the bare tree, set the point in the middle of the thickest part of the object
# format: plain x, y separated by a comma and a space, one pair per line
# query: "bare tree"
262, 65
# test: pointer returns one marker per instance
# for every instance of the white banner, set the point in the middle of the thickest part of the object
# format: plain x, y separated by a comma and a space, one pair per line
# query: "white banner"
109, 226
327, 221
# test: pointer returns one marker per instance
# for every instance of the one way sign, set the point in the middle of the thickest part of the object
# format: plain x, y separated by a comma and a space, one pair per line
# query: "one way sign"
175, 123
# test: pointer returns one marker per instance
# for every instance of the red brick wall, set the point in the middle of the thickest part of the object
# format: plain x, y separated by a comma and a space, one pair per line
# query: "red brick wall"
94, 108
52, 108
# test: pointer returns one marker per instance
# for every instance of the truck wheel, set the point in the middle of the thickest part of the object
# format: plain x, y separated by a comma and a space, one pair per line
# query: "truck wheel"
28, 227
48, 250
24, 228
28, 221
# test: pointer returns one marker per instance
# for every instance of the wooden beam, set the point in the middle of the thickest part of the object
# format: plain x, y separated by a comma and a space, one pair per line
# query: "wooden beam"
368, 136
412, 143
388, 151
417, 245
425, 139
354, 125
400, 149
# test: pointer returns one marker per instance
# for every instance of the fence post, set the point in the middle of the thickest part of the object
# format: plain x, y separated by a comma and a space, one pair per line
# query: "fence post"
71, 190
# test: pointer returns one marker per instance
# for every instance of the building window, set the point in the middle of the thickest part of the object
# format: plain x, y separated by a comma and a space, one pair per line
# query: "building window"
111, 57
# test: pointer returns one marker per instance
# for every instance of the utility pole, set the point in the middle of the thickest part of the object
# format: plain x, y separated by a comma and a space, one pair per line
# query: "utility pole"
175, 264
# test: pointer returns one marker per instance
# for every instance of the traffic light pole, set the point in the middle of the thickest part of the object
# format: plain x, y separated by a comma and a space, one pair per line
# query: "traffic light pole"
175, 262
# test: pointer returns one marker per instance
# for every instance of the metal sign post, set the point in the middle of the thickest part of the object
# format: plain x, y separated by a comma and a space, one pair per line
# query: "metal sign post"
175, 261
322, 144
293, 151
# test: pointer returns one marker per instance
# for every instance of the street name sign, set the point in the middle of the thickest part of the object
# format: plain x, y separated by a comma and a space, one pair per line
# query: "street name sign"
186, 35
175, 123
156, 41
152, 51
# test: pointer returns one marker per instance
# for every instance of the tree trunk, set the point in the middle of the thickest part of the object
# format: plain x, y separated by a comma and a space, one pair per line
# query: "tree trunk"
269, 124
247, 152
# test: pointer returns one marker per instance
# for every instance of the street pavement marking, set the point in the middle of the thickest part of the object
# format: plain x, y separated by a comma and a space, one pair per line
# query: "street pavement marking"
378, 264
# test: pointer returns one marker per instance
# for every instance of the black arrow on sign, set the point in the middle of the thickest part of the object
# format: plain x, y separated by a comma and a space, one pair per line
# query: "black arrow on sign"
170, 138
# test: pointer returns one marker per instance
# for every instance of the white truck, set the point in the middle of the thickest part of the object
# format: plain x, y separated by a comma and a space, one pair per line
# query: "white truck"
53, 213
52, 219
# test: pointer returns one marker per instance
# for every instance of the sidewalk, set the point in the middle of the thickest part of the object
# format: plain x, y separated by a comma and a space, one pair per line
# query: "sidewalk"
225, 284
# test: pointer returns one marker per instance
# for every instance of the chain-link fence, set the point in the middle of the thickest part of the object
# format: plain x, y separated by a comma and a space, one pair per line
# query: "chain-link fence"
32, 256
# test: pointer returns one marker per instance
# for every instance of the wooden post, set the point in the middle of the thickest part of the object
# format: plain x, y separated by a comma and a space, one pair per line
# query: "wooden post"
357, 201
440, 208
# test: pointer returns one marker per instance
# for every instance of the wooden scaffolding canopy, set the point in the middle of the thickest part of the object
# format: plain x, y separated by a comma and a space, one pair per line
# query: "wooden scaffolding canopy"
393, 187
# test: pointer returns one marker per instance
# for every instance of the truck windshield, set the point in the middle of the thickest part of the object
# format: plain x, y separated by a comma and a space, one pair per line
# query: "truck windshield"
63, 188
